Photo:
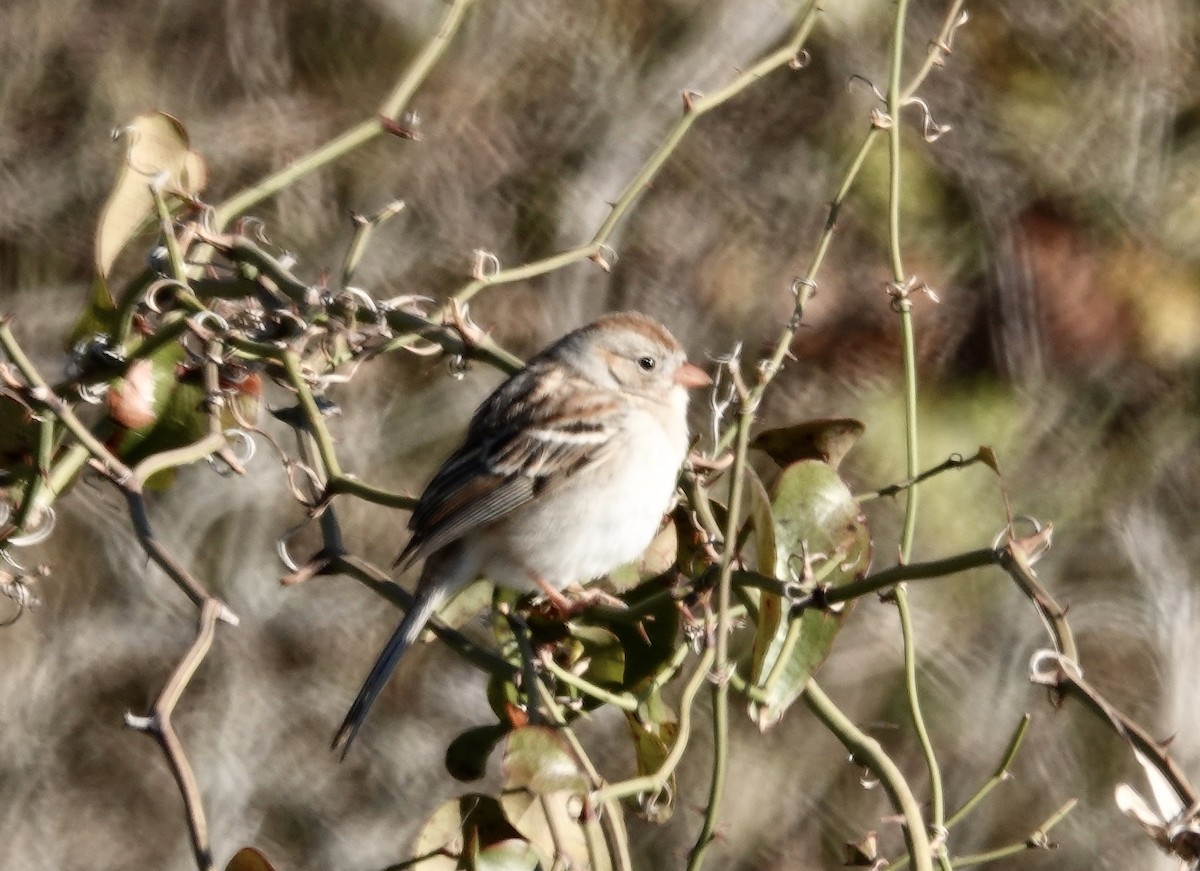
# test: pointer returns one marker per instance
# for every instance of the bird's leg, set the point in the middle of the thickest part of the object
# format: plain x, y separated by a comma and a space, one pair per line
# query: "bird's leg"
559, 603
586, 597
579, 599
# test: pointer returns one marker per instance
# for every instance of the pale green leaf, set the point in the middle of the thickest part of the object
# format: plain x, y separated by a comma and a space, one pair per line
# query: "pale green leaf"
157, 153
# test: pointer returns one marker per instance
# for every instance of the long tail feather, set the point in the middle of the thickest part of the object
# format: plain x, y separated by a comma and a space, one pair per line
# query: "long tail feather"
427, 602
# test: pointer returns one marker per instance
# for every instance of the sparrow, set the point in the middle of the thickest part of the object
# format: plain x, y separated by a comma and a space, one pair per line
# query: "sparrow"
565, 473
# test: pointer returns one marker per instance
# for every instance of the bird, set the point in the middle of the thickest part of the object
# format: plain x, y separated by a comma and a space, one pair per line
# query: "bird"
564, 474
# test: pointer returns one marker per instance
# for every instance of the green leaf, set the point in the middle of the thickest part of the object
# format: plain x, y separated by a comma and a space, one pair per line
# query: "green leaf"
511, 855
461, 832
467, 605
503, 697
650, 644
654, 727
551, 823
537, 760
598, 650
98, 317
177, 415
814, 512
828, 440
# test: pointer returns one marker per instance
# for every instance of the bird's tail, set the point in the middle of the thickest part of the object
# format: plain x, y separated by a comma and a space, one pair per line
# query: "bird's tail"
427, 601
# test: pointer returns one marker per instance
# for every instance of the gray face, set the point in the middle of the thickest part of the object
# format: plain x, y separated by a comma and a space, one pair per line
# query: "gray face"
640, 364
627, 351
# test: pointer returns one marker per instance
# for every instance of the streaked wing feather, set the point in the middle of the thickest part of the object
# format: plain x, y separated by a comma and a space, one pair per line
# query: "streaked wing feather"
522, 442
462, 505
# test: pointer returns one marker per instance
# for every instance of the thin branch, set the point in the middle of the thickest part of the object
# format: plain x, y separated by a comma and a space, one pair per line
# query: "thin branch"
1068, 680
904, 307
348, 485
163, 558
655, 781
528, 669
937, 811
37, 493
868, 751
805, 285
158, 725
360, 134
1015, 558
695, 107
889, 577
312, 414
950, 463
204, 447
624, 701
364, 229
1000, 775
1037, 840
612, 821
720, 696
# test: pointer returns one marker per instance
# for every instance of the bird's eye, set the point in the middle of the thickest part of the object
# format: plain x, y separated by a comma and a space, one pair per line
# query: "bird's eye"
646, 364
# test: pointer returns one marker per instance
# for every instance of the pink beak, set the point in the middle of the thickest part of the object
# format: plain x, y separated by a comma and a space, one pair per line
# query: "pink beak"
691, 375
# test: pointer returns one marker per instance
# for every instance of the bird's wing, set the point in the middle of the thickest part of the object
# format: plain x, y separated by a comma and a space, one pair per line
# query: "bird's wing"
538, 429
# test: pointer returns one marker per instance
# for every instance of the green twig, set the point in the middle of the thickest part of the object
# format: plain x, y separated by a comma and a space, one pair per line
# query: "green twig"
868, 751
1000, 775
364, 228
1038, 840
348, 485
358, 135
904, 307
654, 782
806, 284
695, 107
182, 456
612, 822
624, 701
167, 226
38, 492
414, 328
937, 812
312, 414
68, 465
723, 667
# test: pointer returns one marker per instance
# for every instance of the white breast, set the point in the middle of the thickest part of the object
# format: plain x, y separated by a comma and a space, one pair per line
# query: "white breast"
597, 522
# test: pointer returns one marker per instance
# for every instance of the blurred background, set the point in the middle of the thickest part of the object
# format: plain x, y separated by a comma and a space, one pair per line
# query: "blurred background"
1058, 220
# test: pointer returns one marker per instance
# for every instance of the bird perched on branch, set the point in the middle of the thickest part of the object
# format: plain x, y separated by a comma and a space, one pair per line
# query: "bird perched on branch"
565, 474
